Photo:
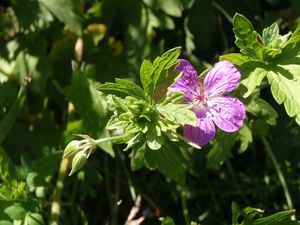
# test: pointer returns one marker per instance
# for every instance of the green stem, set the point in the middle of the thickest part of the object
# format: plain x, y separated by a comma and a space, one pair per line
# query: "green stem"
279, 174
101, 140
56, 203
128, 178
185, 211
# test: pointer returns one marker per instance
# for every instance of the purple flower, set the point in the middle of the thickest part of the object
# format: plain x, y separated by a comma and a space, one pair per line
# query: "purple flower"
209, 104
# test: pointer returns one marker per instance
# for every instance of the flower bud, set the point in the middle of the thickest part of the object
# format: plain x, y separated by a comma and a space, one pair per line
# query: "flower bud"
72, 148
79, 161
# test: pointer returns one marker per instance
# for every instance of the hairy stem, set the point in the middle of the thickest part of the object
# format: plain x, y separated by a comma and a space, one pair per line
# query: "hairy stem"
279, 174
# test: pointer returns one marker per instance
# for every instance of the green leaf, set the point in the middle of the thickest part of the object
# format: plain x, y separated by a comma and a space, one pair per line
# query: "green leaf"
161, 89
146, 73
16, 211
235, 210
138, 156
277, 217
245, 136
270, 34
246, 37
167, 160
164, 76
89, 103
255, 72
202, 32
5, 222
122, 88
154, 139
35, 219
179, 113
64, 10
285, 89
236, 58
263, 109
173, 97
167, 221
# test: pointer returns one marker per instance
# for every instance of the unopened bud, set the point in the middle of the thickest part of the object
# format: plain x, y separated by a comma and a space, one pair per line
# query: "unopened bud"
79, 161
72, 148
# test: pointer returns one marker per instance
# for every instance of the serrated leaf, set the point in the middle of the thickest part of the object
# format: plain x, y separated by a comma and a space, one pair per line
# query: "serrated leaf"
286, 90
254, 73
146, 73
122, 88
174, 97
270, 34
246, 37
236, 58
263, 109
163, 75
167, 61
179, 113
16, 211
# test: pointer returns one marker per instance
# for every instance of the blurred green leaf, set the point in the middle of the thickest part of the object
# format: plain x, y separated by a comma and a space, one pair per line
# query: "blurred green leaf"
35, 219
263, 109
65, 14
201, 22
16, 211
245, 136
166, 221
90, 104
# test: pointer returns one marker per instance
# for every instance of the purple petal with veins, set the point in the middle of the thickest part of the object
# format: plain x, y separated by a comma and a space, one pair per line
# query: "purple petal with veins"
188, 82
203, 133
228, 113
223, 78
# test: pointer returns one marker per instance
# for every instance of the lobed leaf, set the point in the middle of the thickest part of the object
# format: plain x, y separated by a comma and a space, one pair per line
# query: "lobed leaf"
179, 113
247, 39
122, 88
167, 160
286, 90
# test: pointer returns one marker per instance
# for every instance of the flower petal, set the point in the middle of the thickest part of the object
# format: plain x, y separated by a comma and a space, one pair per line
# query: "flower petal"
202, 133
227, 113
223, 78
188, 83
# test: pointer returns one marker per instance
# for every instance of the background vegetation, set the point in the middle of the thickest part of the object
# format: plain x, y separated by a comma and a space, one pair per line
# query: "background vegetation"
43, 101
